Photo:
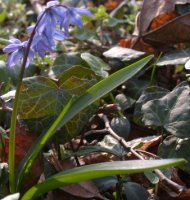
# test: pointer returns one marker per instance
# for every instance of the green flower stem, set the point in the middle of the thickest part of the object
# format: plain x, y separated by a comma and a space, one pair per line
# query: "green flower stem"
12, 182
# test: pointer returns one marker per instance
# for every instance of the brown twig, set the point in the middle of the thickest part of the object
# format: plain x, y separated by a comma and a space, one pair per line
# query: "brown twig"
73, 149
164, 180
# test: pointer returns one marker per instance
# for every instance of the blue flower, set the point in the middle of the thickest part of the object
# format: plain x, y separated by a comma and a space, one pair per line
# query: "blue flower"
43, 43
72, 16
17, 50
50, 17
53, 25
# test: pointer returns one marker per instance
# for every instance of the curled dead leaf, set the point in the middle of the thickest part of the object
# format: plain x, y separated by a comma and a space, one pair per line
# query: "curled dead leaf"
163, 19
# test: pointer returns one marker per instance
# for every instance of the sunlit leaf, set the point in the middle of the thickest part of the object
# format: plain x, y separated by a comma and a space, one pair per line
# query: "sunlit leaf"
97, 171
170, 112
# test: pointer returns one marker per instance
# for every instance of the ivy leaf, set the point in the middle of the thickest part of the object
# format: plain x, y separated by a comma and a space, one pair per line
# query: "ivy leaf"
121, 126
123, 54
174, 147
42, 96
170, 112
134, 191
147, 95
96, 64
66, 61
42, 100
176, 57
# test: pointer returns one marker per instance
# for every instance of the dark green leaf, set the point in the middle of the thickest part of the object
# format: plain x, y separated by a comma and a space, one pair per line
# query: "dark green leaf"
112, 145
152, 177
134, 191
4, 76
147, 95
174, 147
66, 61
123, 101
171, 112
100, 147
96, 64
83, 34
106, 183
121, 126
41, 96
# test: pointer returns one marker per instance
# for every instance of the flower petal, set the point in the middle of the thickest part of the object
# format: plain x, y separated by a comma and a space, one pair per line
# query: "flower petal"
52, 3
83, 11
76, 19
14, 58
11, 47
15, 41
59, 35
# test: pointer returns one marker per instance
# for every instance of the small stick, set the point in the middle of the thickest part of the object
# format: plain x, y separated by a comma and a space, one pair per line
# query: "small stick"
165, 181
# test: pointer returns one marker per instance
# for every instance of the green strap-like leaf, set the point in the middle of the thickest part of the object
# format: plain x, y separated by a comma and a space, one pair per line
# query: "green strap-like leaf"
99, 170
75, 106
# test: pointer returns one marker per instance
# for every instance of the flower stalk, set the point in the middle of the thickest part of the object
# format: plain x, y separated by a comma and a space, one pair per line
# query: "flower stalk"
41, 40
12, 185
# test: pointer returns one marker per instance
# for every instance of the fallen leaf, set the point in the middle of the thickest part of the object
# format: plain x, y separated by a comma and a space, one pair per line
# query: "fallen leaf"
150, 143
112, 4
176, 57
123, 54
152, 9
24, 140
163, 19
184, 195
166, 34
85, 189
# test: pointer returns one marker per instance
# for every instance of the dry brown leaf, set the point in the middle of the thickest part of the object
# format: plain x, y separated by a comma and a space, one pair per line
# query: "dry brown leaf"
85, 189
153, 8
184, 195
171, 32
163, 19
24, 140
98, 157
150, 143
112, 4
126, 43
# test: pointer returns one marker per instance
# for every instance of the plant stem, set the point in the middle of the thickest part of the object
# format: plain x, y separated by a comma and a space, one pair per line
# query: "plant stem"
12, 185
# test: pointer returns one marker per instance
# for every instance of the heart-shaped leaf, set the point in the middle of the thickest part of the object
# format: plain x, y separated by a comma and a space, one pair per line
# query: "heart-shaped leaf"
65, 62
121, 126
147, 95
134, 191
174, 147
42, 96
170, 112
42, 99
96, 64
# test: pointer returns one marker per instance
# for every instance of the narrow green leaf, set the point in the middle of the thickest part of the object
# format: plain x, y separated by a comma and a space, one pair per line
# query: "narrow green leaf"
74, 107
99, 170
